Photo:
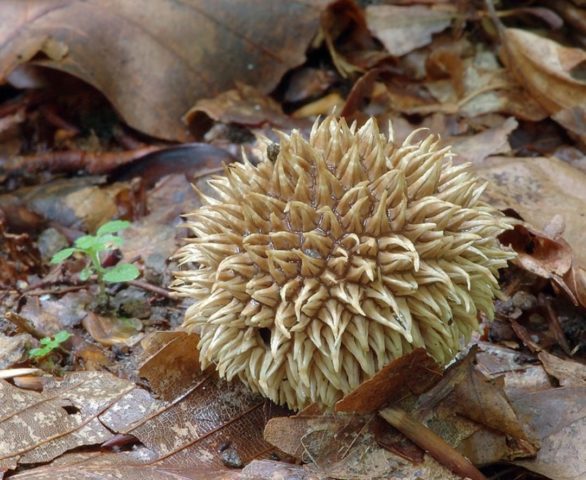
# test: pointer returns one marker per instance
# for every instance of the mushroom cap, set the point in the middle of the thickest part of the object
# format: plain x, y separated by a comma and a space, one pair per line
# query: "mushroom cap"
314, 270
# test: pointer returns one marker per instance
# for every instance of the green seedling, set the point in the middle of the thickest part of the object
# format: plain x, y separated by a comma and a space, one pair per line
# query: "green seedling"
93, 246
48, 344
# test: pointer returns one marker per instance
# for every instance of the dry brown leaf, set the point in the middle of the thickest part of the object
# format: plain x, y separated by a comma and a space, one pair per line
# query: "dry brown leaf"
171, 362
155, 234
73, 202
544, 67
14, 350
568, 373
558, 418
154, 60
111, 330
402, 29
473, 414
414, 373
124, 465
49, 315
539, 189
344, 446
19, 257
243, 105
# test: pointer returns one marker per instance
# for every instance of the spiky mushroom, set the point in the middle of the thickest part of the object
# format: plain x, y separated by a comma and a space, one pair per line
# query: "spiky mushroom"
313, 271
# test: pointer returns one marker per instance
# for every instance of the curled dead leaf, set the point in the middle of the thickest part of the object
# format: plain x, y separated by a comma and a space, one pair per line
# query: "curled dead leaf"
544, 67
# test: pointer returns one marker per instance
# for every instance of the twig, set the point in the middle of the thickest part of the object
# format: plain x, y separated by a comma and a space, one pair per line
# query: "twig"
153, 288
436, 446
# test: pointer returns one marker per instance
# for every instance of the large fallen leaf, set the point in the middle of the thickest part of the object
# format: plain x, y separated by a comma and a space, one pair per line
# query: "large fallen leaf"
154, 60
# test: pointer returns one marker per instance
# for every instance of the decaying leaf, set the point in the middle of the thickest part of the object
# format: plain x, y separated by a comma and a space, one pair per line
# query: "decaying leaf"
170, 53
492, 141
37, 427
555, 416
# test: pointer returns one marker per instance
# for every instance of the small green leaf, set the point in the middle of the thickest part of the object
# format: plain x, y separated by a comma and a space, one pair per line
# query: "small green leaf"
123, 272
62, 336
85, 274
49, 344
38, 352
112, 227
109, 239
62, 255
87, 242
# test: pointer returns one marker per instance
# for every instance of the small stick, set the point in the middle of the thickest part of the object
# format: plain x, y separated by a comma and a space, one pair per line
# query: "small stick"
153, 288
430, 442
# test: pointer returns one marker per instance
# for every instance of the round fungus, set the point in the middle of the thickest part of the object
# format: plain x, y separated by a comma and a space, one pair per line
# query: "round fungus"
315, 268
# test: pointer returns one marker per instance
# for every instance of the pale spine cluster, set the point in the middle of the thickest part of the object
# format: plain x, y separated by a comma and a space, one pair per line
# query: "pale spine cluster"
314, 271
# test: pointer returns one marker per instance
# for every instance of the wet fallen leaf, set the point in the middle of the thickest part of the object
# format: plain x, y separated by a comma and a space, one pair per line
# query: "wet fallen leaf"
109, 331
171, 54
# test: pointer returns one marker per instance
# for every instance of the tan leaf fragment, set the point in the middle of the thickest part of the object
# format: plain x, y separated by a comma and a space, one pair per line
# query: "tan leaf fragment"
402, 29
568, 373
